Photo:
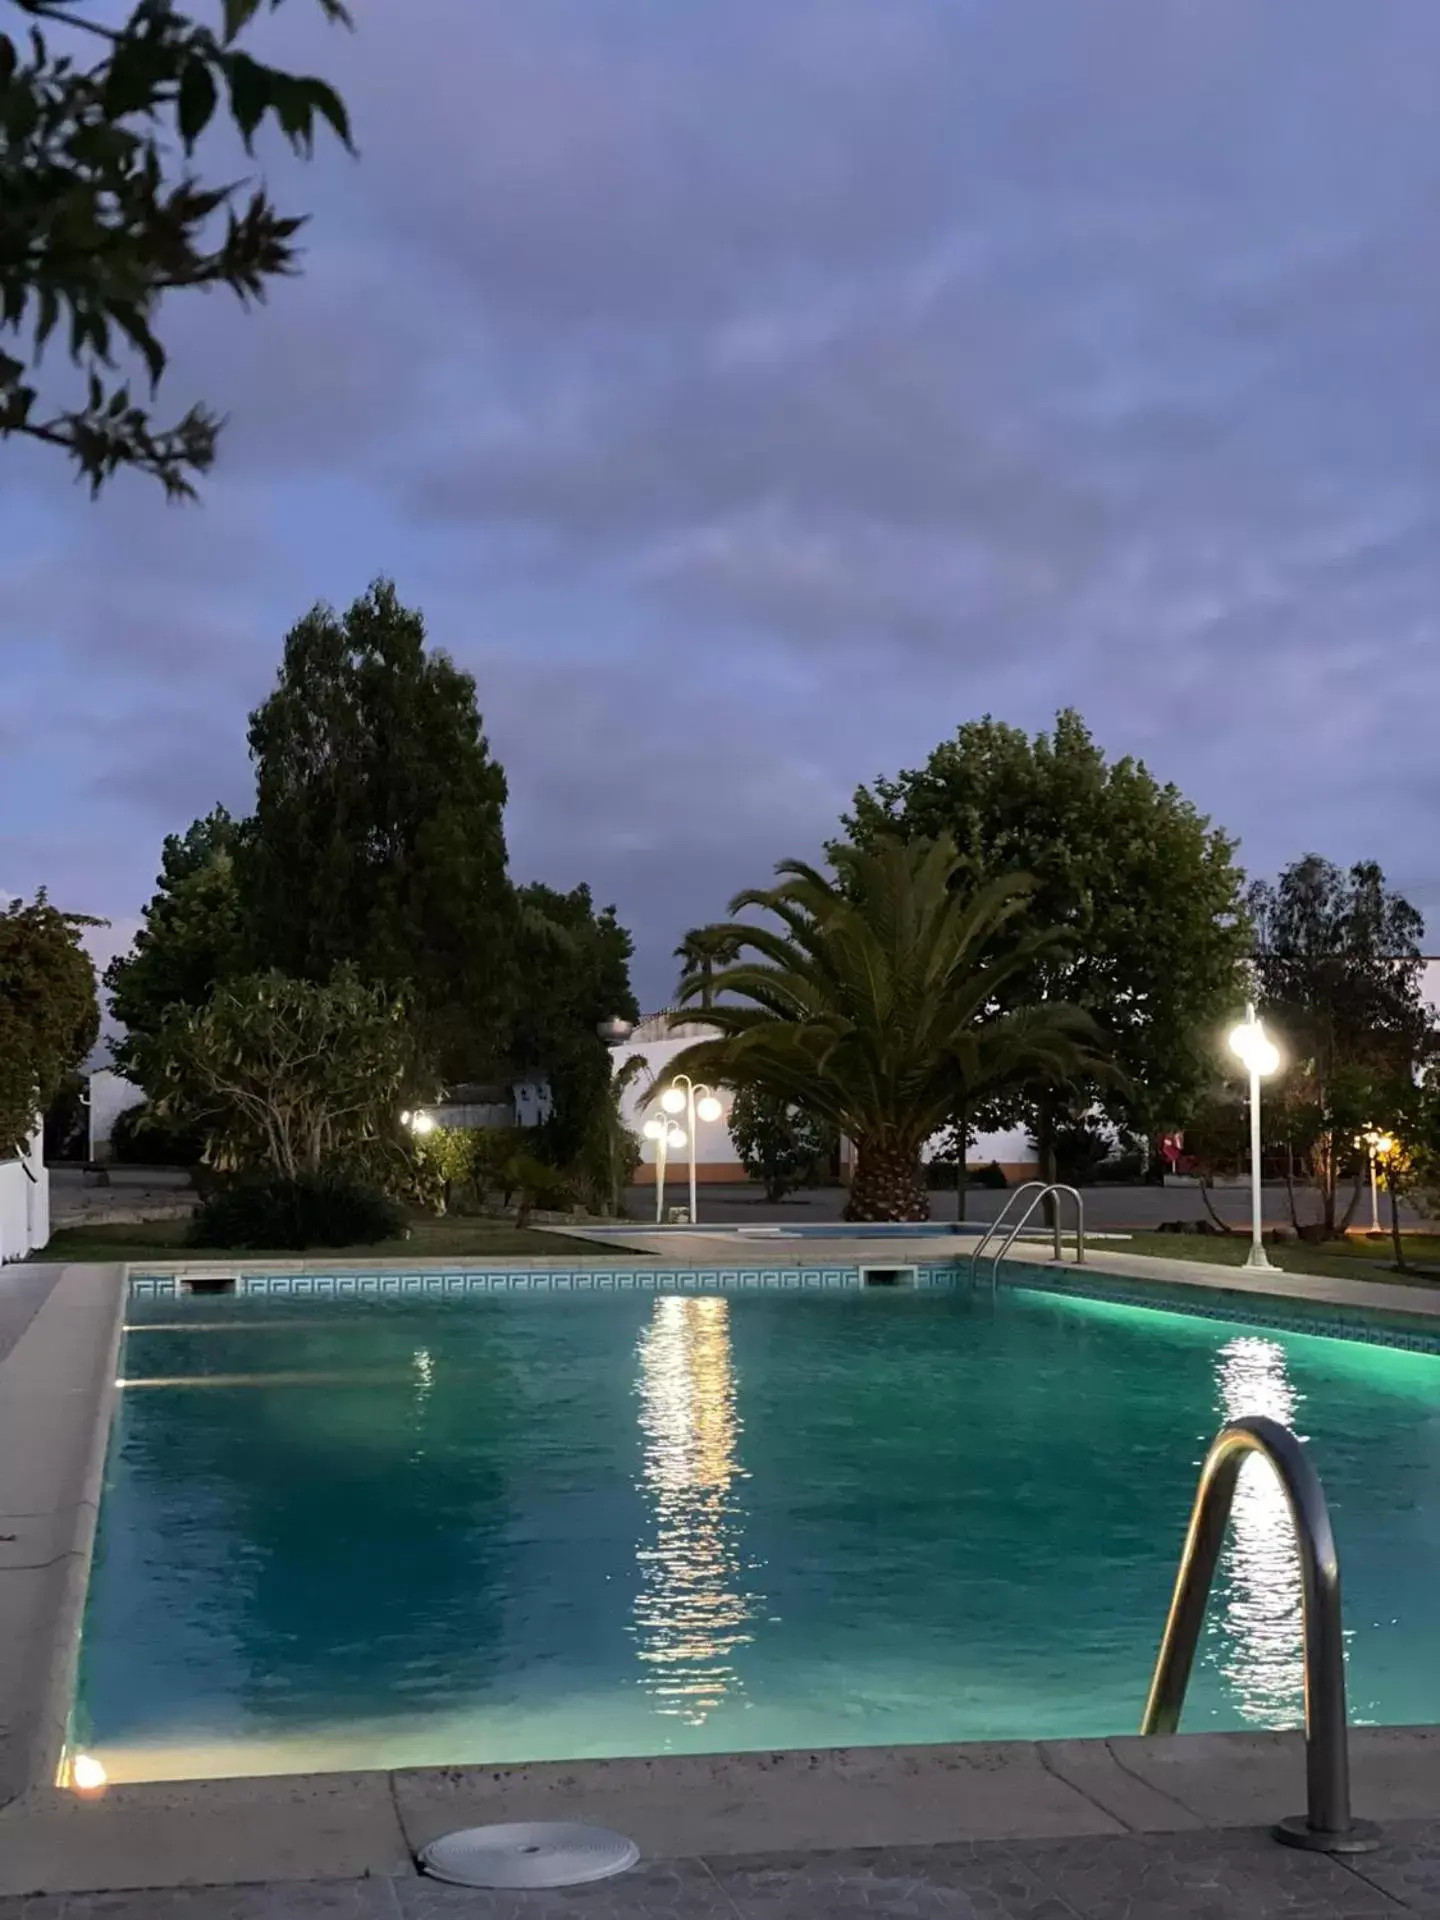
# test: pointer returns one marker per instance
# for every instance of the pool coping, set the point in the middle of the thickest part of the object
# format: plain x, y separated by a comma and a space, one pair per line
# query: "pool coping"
57, 1389
348, 1827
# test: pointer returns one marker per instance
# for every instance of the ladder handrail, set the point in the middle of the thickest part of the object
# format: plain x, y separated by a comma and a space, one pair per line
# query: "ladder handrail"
1327, 1825
1019, 1227
1029, 1186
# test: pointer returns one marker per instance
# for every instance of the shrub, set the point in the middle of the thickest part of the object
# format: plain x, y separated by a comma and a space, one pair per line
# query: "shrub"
139, 1139
310, 1210
777, 1141
535, 1185
992, 1176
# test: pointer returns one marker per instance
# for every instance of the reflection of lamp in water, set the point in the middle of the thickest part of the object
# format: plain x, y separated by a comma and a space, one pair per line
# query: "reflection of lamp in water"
690, 1611
1257, 1619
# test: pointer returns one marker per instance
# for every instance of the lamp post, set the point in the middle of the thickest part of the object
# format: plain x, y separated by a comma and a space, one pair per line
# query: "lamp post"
663, 1131
697, 1103
1374, 1142
1261, 1057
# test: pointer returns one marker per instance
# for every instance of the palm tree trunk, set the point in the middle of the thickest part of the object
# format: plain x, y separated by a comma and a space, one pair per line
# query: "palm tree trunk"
887, 1184
1395, 1222
962, 1170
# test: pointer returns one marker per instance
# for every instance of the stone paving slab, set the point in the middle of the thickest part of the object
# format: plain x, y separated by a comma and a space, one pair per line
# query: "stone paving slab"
687, 1804
1234, 1875
204, 1833
24, 1289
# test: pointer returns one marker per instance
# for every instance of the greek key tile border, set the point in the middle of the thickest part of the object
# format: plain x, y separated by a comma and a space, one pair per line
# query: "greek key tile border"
539, 1280
1324, 1322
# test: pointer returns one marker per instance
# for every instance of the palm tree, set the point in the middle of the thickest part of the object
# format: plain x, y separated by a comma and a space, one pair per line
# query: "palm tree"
703, 950
874, 1006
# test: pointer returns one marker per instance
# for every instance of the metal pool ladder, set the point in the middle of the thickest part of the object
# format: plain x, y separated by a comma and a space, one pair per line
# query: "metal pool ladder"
1039, 1193
1327, 1825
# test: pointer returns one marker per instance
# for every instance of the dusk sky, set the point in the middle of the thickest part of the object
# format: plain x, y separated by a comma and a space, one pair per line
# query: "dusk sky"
750, 393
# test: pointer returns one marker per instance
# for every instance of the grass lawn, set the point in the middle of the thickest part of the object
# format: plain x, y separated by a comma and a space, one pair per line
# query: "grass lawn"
453, 1238
1355, 1258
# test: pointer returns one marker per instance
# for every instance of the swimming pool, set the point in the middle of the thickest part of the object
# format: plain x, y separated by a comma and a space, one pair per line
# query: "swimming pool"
428, 1530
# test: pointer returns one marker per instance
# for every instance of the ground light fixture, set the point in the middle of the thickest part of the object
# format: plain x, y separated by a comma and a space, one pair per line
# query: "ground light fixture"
1260, 1057
87, 1776
702, 1106
420, 1123
667, 1137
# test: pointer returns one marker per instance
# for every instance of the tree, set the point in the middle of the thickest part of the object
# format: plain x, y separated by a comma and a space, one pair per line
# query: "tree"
877, 1006
192, 938
378, 839
1338, 972
49, 1015
1145, 887
573, 973
701, 951
777, 1141
100, 220
292, 1076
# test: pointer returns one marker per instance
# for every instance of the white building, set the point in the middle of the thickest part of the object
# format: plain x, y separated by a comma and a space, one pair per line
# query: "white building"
658, 1044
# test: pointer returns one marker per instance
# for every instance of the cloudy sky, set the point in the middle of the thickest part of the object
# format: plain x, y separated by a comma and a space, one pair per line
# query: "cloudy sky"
748, 394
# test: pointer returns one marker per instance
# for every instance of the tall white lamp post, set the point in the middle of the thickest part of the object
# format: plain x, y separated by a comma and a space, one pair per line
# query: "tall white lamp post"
664, 1132
1374, 1142
698, 1103
1260, 1056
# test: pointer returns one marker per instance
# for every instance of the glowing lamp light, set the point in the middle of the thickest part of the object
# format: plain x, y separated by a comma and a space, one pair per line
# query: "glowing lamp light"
1255, 1049
87, 1776
709, 1108
654, 1129
1385, 1144
673, 1100
422, 1123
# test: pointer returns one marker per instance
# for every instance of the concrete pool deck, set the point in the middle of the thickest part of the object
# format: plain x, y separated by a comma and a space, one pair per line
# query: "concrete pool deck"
1037, 1829
1123, 1827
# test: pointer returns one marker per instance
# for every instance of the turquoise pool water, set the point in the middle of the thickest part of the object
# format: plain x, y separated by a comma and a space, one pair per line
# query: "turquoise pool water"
420, 1531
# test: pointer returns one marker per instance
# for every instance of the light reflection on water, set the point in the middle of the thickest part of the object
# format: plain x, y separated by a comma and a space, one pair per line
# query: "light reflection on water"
1254, 1629
691, 1612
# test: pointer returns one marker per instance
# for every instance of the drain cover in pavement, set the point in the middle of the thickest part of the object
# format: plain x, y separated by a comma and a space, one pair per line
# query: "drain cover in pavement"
540, 1853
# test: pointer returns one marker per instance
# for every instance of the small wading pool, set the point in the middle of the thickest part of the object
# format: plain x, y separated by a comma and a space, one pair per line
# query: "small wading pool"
344, 1533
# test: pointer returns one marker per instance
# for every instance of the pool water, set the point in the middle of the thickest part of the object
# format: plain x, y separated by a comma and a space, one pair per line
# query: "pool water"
426, 1531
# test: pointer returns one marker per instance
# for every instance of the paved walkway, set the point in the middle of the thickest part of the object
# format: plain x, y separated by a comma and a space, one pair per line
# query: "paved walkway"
1179, 1876
23, 1291
722, 1203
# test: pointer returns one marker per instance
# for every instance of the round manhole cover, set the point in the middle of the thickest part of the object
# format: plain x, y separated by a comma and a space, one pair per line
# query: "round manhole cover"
539, 1853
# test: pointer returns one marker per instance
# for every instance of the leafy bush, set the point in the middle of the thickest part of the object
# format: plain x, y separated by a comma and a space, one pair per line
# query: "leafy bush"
139, 1139
449, 1162
289, 1214
533, 1184
1081, 1150
992, 1176
777, 1141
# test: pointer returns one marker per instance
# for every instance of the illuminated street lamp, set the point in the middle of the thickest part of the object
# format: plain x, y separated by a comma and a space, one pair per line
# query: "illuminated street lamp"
1260, 1057
418, 1123
1376, 1145
665, 1134
699, 1103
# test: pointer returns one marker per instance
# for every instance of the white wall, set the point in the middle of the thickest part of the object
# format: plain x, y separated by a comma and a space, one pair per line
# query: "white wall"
716, 1148
24, 1203
640, 1099
111, 1094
